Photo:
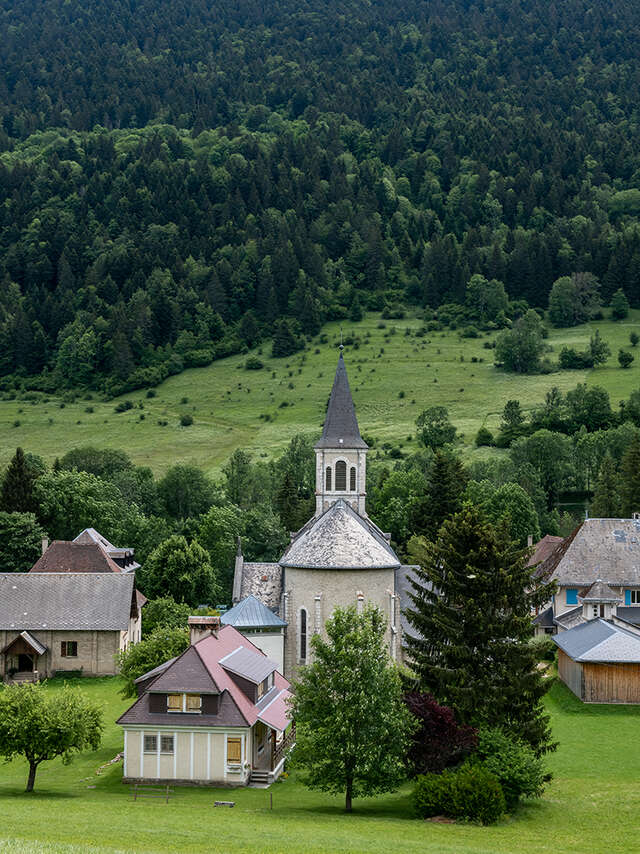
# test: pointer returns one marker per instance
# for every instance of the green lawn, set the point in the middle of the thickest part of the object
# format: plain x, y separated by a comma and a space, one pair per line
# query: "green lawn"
227, 401
591, 805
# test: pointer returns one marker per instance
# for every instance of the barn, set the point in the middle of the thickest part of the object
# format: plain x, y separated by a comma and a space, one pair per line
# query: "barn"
599, 661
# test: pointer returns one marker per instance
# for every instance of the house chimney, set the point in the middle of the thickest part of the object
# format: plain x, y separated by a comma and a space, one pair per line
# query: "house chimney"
45, 544
237, 574
530, 540
202, 626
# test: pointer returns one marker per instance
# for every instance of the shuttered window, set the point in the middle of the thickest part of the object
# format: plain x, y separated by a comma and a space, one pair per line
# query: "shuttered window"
572, 595
69, 649
174, 702
341, 476
327, 479
352, 479
194, 702
303, 634
234, 750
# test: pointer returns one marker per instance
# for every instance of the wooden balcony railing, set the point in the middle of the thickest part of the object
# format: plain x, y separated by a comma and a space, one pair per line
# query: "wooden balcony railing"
286, 744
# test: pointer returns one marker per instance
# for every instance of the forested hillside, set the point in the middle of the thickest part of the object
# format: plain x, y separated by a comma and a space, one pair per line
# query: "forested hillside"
179, 180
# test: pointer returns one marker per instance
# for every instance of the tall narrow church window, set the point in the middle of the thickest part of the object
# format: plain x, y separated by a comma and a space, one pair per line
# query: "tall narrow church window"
352, 479
341, 476
303, 634
327, 479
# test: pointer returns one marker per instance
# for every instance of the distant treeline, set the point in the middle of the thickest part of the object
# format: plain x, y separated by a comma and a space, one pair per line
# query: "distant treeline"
180, 181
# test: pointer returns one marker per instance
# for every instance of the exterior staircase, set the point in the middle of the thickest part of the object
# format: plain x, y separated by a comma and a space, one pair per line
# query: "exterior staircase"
261, 777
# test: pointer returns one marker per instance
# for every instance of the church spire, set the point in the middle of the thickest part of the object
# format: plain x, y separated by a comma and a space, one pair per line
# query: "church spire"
341, 425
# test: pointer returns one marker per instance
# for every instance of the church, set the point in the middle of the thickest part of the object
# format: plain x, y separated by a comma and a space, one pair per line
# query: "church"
338, 558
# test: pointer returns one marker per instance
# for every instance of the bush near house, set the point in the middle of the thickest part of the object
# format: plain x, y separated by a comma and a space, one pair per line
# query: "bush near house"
513, 763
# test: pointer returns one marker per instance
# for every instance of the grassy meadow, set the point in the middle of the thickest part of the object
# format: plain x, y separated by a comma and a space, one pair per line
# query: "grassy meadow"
591, 805
394, 375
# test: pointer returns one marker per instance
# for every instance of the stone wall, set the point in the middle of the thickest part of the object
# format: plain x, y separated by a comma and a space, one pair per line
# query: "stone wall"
320, 591
95, 657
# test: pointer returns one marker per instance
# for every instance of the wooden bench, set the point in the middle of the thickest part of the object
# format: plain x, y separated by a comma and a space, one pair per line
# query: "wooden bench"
224, 803
151, 790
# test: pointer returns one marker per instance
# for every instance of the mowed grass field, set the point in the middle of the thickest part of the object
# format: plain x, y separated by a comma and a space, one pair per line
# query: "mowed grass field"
591, 805
393, 375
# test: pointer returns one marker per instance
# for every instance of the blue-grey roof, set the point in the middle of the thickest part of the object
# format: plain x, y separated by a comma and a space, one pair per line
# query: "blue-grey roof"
340, 424
250, 613
249, 664
600, 641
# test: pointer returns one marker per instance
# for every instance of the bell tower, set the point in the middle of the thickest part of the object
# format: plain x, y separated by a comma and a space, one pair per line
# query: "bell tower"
341, 452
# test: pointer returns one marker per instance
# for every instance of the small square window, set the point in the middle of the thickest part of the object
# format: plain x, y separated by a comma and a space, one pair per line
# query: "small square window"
150, 743
194, 702
572, 595
166, 744
174, 702
69, 649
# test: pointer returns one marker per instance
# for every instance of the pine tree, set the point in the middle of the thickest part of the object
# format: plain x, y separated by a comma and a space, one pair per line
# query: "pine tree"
619, 305
442, 498
471, 624
606, 497
630, 479
16, 495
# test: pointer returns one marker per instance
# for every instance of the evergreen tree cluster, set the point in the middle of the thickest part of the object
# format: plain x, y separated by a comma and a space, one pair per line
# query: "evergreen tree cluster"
212, 171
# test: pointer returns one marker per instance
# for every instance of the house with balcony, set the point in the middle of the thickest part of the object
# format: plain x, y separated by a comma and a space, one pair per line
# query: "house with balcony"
216, 715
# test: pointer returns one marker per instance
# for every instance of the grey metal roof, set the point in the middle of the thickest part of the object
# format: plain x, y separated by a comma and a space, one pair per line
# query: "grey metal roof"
75, 601
340, 428
608, 549
340, 539
569, 618
248, 664
250, 613
600, 641
599, 591
545, 618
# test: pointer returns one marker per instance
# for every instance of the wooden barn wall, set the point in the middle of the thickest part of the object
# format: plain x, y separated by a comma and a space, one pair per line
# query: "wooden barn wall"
571, 673
612, 683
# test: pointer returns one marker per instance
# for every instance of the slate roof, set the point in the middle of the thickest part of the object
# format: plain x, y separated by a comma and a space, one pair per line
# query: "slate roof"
629, 613
192, 675
600, 641
608, 549
79, 601
235, 707
340, 539
599, 591
90, 535
545, 618
34, 643
543, 549
69, 556
264, 581
569, 619
340, 428
245, 663
250, 613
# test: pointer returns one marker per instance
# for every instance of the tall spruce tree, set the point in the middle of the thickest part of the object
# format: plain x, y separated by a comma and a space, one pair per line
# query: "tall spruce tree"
16, 495
630, 478
606, 496
446, 484
472, 601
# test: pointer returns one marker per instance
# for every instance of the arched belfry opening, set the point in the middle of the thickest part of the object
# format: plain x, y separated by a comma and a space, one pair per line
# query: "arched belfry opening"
341, 451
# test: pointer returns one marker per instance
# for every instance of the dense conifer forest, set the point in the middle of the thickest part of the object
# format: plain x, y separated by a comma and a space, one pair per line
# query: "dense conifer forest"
179, 180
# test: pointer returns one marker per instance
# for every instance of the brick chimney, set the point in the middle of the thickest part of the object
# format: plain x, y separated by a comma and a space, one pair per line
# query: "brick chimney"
202, 627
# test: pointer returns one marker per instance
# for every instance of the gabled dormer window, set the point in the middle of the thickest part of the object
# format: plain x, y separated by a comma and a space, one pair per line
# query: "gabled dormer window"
189, 703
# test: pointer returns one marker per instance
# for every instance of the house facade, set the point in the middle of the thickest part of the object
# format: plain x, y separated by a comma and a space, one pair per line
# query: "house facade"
215, 715
52, 623
340, 557
260, 625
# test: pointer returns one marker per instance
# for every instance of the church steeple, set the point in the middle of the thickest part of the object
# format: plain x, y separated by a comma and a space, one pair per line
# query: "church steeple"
341, 450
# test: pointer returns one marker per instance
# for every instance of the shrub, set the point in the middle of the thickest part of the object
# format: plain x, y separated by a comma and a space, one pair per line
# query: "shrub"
186, 420
484, 437
513, 763
253, 363
439, 740
544, 647
471, 792
470, 332
151, 393
625, 358
124, 406
634, 338
477, 795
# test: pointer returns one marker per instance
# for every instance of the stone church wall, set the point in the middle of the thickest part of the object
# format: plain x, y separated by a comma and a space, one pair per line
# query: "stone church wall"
320, 591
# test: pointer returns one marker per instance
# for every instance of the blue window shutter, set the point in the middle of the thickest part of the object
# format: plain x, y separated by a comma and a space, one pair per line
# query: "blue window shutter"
572, 595
627, 597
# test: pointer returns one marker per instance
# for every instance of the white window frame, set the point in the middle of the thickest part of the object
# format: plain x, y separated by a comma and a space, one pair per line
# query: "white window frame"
634, 596
151, 735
